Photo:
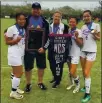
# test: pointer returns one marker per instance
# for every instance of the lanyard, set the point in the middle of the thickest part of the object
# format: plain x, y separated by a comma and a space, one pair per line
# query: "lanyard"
20, 30
55, 29
72, 30
89, 25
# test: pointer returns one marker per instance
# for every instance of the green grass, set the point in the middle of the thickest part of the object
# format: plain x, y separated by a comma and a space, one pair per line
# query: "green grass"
60, 95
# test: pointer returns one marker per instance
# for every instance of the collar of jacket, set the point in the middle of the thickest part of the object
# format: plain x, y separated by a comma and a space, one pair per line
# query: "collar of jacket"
61, 27
45, 23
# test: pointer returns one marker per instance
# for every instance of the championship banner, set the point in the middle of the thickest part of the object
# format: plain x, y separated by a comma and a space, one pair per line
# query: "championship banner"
60, 45
35, 38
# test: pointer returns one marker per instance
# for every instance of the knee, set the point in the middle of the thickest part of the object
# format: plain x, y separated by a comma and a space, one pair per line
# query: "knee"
18, 75
86, 73
71, 72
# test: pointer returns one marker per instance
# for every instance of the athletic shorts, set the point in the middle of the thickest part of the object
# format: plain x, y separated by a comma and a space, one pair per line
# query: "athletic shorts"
15, 60
90, 56
15, 56
29, 60
75, 60
68, 59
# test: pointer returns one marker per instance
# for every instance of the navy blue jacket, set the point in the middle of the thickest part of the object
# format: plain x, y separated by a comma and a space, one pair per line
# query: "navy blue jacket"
45, 26
51, 48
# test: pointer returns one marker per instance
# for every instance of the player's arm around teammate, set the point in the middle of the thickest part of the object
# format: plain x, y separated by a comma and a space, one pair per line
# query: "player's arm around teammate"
90, 33
15, 37
74, 53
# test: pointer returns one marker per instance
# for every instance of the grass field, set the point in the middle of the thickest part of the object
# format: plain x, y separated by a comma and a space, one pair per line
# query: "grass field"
60, 95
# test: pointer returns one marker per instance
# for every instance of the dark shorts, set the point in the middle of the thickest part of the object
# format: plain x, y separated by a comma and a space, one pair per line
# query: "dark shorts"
29, 60
68, 59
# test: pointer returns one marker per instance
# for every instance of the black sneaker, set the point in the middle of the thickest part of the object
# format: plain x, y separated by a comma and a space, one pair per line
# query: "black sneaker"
28, 88
42, 86
55, 85
52, 81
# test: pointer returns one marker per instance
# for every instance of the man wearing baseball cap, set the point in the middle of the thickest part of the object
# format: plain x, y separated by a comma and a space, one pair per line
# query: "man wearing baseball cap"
37, 21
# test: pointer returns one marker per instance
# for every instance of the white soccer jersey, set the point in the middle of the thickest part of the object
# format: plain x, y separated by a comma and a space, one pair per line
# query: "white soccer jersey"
75, 49
15, 52
89, 43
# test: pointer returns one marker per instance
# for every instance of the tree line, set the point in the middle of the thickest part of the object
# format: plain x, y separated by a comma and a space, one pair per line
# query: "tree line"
10, 10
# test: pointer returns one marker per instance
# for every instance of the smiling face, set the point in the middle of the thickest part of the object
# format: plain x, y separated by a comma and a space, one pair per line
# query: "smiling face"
87, 17
57, 18
36, 12
72, 23
21, 20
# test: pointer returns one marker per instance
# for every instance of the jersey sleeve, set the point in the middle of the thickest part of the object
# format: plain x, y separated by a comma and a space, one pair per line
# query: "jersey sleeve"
98, 28
80, 34
9, 32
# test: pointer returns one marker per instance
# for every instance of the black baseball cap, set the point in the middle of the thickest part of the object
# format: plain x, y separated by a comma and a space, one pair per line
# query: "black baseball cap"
36, 5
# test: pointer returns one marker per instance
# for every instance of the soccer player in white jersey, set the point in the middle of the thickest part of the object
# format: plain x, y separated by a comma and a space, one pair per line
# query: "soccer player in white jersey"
90, 33
15, 39
74, 53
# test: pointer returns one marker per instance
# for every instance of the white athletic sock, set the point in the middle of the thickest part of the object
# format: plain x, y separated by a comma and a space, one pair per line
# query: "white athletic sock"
12, 75
15, 83
87, 84
71, 79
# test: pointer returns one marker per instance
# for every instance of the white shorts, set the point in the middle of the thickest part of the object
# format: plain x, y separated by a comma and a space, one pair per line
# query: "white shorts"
15, 60
75, 60
90, 56
15, 57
